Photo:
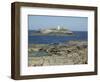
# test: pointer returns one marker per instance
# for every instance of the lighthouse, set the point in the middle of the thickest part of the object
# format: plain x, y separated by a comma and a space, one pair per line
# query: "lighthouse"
58, 27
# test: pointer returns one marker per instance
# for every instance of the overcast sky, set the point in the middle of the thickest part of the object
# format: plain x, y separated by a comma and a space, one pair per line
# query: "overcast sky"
36, 22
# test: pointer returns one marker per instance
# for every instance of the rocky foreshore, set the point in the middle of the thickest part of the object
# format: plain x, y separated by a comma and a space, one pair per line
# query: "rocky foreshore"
67, 53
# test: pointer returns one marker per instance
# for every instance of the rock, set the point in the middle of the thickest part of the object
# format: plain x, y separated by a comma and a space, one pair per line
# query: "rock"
70, 53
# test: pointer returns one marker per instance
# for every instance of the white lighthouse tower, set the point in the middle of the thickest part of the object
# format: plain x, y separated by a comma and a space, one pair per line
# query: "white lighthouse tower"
58, 28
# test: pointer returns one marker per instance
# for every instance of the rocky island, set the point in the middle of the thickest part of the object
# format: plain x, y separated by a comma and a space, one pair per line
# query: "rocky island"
54, 31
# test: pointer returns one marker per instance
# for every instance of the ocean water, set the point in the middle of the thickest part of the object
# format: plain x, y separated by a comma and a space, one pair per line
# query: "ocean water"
78, 35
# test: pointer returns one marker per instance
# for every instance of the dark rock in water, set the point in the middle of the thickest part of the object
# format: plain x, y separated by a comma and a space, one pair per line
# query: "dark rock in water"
41, 49
54, 44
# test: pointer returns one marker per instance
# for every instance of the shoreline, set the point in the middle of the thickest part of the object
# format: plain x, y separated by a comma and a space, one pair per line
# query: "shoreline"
67, 53
52, 34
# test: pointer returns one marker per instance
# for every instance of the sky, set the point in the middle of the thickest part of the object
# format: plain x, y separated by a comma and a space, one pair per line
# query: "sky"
36, 22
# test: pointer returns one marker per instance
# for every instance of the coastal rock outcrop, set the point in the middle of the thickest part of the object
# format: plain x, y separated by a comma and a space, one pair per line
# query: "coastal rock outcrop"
53, 31
68, 53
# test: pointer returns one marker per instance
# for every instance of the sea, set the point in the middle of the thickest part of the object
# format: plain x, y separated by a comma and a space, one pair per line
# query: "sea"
37, 39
